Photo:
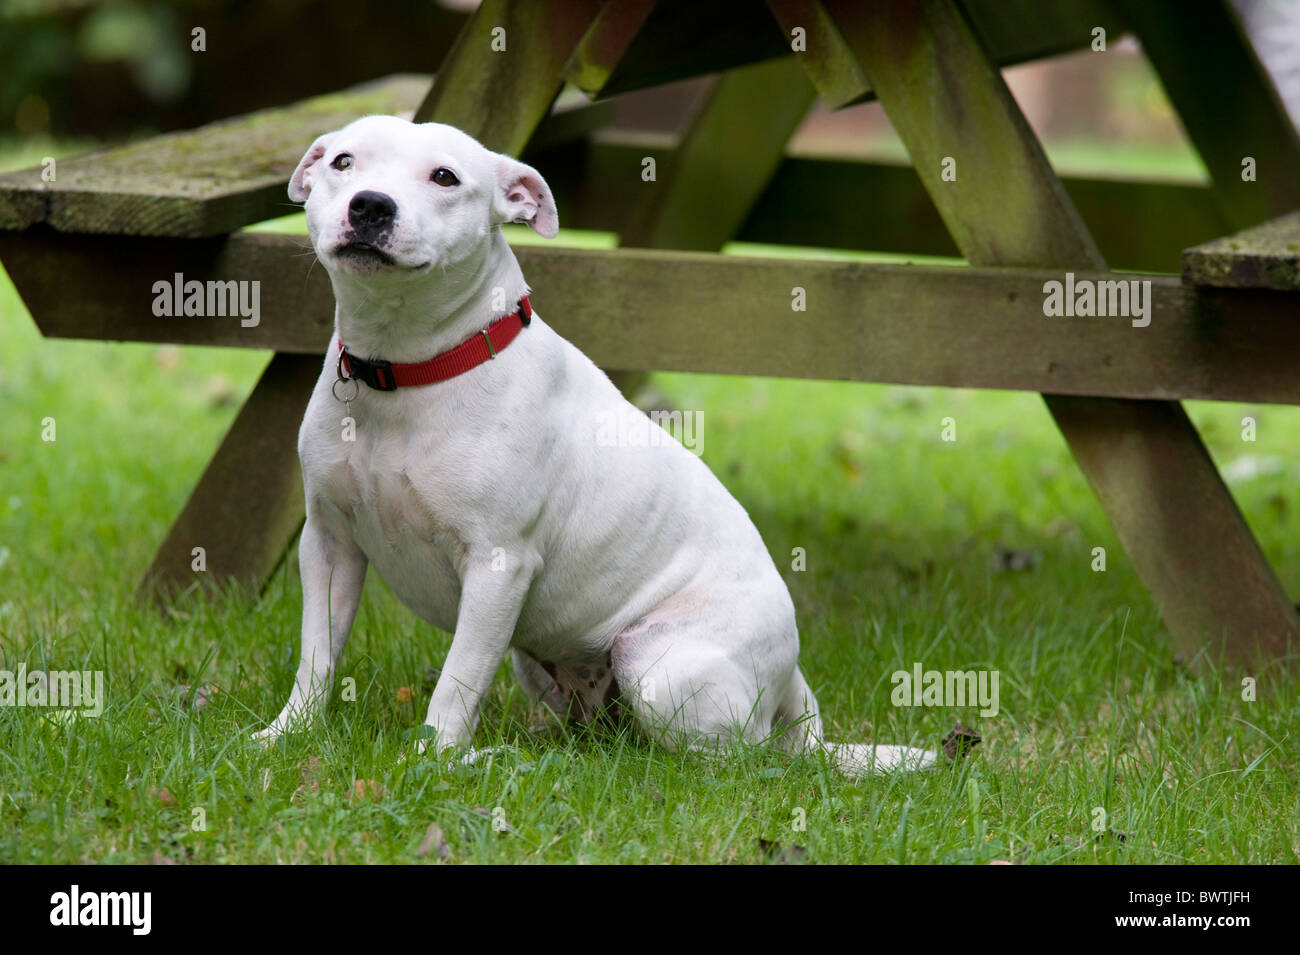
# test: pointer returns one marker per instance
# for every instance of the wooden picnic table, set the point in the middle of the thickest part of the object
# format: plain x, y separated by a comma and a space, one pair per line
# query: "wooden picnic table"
85, 250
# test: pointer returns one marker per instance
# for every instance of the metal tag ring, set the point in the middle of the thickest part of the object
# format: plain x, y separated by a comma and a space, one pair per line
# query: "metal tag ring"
356, 390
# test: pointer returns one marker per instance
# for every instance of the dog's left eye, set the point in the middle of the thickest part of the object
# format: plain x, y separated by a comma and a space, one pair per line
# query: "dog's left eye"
444, 177
342, 161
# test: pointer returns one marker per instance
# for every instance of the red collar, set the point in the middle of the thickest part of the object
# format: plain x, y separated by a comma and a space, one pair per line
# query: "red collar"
386, 376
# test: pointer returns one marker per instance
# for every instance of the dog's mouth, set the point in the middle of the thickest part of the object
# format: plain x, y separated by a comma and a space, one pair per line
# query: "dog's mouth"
363, 253
367, 258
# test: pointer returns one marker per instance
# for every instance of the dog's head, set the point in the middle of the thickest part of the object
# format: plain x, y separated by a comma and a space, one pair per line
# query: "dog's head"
387, 197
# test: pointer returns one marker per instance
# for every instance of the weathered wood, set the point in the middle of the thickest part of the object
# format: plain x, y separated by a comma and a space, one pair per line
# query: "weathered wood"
606, 43
500, 96
1005, 206
679, 311
1185, 536
674, 40
1015, 31
1138, 225
200, 182
833, 69
1226, 101
1266, 256
633, 48
218, 178
248, 505
705, 190
700, 197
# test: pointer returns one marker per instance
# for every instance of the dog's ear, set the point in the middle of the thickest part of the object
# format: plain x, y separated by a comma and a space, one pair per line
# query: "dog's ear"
522, 195
300, 182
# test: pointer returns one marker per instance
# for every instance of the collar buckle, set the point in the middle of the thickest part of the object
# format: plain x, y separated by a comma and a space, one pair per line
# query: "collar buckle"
378, 374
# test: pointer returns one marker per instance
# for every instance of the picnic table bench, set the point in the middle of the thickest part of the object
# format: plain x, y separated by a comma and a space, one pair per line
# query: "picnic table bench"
85, 250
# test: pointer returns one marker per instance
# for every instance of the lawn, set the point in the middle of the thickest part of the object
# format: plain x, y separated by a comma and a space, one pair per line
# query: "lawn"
976, 553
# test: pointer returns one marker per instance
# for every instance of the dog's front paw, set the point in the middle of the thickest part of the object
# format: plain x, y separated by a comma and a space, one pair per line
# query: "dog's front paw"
473, 756
269, 736
289, 721
457, 754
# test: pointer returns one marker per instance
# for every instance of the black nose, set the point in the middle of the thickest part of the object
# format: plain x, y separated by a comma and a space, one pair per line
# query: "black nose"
371, 212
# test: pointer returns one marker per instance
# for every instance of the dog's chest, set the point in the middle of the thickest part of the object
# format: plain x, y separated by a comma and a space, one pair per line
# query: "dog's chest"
386, 490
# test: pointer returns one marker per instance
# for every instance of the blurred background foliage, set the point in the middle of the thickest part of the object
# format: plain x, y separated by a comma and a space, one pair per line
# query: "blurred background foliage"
109, 68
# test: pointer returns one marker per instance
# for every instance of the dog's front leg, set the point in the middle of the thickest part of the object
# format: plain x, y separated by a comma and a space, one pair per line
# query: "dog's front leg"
332, 571
492, 595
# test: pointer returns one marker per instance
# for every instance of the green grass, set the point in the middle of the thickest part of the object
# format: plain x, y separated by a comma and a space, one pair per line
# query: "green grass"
902, 533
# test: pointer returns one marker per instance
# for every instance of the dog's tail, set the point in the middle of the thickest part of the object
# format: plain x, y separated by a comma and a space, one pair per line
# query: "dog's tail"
798, 710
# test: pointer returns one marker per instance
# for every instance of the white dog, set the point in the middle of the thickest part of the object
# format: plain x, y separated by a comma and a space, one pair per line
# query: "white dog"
620, 578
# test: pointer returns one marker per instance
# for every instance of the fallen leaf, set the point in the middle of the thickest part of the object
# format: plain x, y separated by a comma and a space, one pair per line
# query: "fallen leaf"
405, 694
960, 742
309, 775
363, 788
163, 796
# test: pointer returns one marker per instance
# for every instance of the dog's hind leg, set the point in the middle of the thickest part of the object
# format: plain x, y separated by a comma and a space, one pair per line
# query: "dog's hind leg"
697, 674
538, 683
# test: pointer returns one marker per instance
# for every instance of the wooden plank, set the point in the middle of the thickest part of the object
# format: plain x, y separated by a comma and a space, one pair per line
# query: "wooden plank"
248, 505
706, 189
1141, 225
1006, 206
833, 69
1137, 225
1226, 101
1186, 538
606, 43
1266, 256
201, 182
726, 157
641, 309
497, 95
1015, 31
227, 175
679, 39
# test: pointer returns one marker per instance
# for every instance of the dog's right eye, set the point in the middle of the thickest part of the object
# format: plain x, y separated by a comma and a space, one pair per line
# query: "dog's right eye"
342, 161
